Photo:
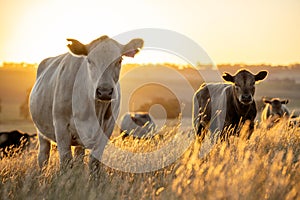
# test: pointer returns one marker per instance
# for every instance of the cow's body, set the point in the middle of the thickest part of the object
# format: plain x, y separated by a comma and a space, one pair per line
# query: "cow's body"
274, 110
59, 74
72, 92
137, 124
221, 106
11, 141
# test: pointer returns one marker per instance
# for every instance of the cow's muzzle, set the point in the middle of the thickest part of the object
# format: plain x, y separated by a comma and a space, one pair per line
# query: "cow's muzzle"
104, 93
246, 99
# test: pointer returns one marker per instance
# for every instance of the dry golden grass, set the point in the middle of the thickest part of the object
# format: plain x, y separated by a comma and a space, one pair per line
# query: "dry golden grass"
265, 167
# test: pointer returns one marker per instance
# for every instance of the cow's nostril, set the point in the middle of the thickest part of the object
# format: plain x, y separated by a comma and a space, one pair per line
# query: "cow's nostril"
98, 91
111, 92
246, 98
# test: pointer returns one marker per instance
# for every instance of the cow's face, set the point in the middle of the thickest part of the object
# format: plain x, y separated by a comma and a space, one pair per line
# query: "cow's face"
244, 84
276, 106
140, 118
103, 60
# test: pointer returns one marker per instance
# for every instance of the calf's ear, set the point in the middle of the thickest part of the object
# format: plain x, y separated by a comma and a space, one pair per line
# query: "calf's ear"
77, 48
227, 77
266, 101
261, 75
286, 101
133, 47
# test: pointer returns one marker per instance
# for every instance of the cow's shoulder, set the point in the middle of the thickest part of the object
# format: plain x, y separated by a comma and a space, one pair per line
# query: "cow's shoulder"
218, 89
212, 90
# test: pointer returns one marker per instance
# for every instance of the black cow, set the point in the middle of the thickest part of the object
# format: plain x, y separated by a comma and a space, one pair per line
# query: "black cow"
14, 142
218, 106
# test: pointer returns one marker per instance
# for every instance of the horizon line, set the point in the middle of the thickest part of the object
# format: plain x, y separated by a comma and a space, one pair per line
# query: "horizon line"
174, 63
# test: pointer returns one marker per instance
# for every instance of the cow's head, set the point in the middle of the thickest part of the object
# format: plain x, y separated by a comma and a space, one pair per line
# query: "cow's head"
140, 118
103, 58
244, 84
276, 105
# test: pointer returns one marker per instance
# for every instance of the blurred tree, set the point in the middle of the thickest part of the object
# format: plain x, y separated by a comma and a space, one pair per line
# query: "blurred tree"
24, 107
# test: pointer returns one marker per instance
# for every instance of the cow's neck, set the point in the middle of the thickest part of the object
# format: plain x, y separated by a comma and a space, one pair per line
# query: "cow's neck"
101, 108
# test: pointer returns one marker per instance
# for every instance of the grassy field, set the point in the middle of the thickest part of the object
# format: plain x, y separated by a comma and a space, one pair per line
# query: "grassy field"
265, 167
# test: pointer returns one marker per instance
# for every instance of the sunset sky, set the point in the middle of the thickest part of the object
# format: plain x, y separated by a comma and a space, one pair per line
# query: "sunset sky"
231, 31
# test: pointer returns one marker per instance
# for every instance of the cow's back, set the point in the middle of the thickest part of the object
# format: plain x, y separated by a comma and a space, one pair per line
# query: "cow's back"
210, 97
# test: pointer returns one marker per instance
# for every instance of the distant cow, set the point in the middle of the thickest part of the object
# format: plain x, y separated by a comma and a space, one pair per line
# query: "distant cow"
220, 106
137, 124
74, 90
14, 141
274, 110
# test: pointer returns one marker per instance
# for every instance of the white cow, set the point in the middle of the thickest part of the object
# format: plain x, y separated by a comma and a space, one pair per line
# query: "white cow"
137, 124
74, 90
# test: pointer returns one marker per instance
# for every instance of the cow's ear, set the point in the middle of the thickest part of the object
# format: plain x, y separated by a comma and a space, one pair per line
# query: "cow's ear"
133, 47
227, 77
261, 75
286, 101
266, 101
133, 118
77, 48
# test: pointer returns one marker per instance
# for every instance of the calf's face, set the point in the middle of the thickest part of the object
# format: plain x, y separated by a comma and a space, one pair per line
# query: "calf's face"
276, 106
140, 119
244, 84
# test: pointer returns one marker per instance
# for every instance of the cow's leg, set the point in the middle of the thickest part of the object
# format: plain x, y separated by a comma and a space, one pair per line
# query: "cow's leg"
44, 150
201, 131
94, 164
79, 154
63, 140
96, 154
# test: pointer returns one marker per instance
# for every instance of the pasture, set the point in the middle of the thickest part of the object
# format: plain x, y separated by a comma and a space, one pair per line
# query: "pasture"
265, 167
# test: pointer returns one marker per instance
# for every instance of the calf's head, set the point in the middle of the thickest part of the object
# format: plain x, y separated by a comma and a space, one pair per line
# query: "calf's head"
140, 118
244, 84
103, 58
276, 105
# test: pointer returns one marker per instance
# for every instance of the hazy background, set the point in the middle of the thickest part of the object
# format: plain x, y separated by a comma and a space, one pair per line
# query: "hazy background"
165, 90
